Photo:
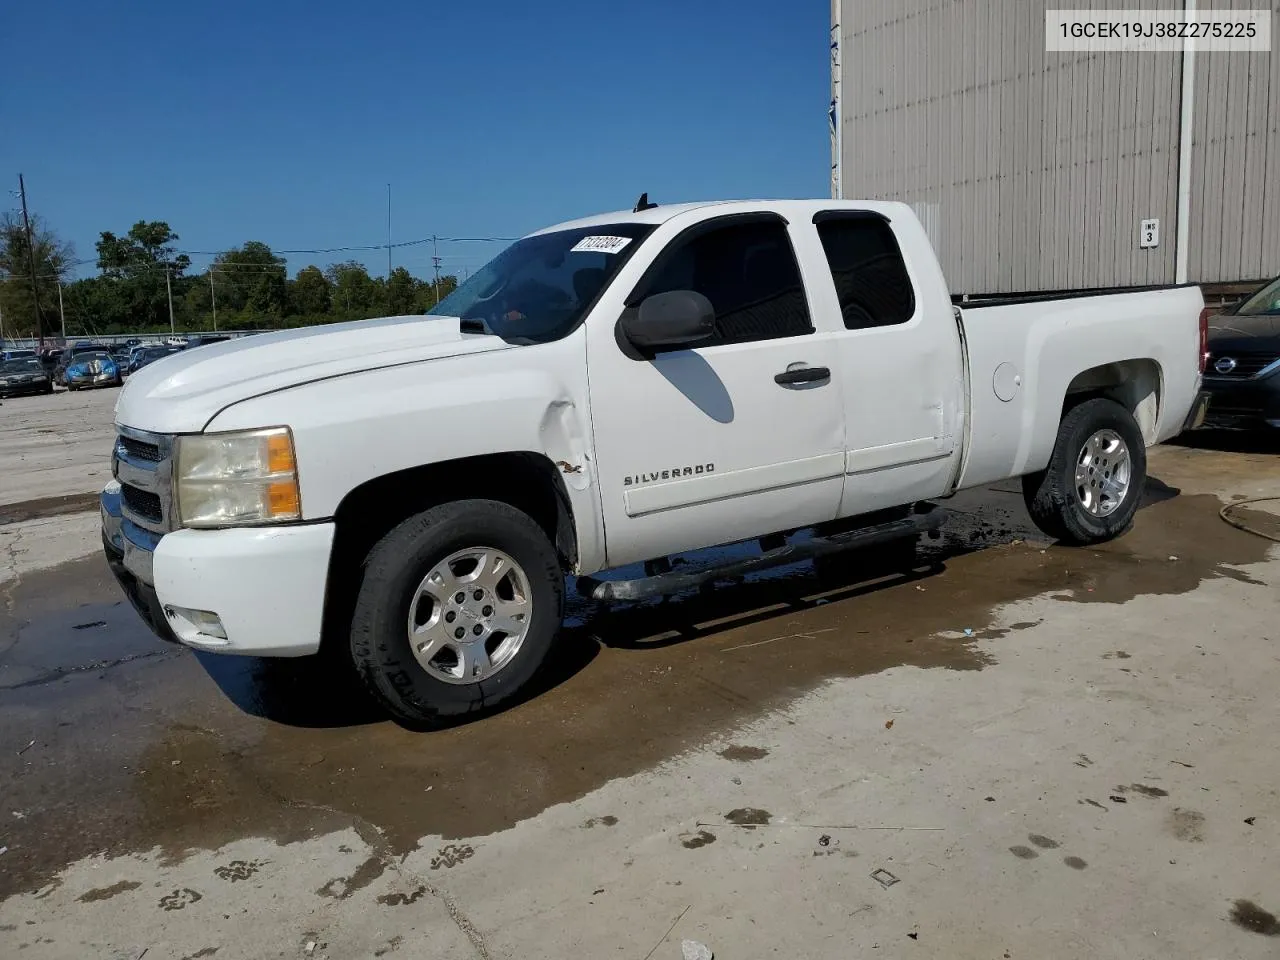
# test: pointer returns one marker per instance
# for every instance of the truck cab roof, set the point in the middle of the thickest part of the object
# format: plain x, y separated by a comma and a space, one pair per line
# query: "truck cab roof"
791, 209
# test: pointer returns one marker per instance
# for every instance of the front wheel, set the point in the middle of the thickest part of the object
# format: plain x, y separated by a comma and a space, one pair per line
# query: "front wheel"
1090, 491
456, 611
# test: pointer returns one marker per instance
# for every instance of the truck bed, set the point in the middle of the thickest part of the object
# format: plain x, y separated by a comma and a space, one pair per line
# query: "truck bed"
1027, 356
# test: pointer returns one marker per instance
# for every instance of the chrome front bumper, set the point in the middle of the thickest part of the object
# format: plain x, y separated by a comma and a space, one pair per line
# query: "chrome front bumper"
135, 546
130, 534
129, 550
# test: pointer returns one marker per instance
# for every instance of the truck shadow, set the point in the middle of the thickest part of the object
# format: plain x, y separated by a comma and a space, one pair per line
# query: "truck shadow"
316, 692
1231, 441
324, 692
976, 520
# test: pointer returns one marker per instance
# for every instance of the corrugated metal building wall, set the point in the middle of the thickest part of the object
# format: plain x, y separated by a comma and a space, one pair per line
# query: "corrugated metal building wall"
1033, 169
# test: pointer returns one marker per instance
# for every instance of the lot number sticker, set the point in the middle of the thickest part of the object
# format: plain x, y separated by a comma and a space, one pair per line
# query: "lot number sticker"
600, 244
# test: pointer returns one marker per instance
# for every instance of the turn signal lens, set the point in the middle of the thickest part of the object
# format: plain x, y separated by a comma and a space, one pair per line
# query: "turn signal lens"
282, 499
280, 453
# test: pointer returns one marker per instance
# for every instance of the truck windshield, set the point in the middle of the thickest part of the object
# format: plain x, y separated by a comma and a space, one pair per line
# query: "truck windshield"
539, 288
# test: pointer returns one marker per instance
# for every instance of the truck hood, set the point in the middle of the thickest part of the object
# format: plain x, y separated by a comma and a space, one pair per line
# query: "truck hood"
183, 392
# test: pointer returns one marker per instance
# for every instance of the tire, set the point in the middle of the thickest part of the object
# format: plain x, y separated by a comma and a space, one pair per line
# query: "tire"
1059, 505
868, 563
393, 575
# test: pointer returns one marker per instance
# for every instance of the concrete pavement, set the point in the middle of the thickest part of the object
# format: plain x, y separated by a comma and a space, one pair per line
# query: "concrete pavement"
57, 445
1023, 751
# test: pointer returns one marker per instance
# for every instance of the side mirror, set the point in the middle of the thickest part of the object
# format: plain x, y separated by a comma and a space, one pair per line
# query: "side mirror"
672, 319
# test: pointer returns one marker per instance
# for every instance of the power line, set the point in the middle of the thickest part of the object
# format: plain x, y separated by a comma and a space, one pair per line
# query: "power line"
363, 248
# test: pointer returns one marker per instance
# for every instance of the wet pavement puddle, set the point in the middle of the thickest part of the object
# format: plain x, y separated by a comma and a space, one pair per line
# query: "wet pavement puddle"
135, 748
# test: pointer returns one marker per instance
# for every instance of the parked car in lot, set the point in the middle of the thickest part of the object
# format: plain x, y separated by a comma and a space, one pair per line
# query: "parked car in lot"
1242, 376
613, 391
26, 375
148, 355
93, 370
51, 360
16, 354
70, 355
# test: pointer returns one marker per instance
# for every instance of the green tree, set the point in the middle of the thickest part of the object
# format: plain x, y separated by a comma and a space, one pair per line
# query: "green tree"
431, 292
150, 266
310, 292
99, 305
147, 245
251, 279
52, 259
354, 291
403, 291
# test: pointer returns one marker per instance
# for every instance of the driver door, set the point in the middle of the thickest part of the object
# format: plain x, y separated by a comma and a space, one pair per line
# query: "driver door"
730, 438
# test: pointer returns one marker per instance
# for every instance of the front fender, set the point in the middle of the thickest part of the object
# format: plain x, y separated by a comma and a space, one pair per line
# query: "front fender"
351, 429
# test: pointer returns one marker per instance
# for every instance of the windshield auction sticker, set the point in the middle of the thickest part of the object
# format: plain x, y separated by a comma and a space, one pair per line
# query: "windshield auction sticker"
1157, 31
600, 245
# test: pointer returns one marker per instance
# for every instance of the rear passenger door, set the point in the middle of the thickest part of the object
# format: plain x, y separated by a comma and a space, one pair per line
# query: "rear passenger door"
900, 364
727, 438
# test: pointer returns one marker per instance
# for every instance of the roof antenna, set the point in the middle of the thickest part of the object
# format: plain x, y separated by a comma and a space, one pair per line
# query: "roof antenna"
643, 203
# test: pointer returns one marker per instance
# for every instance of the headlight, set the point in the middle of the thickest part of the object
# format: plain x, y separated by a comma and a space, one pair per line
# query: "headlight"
237, 479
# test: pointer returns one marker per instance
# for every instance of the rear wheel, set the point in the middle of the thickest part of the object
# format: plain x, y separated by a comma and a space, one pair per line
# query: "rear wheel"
457, 610
1090, 491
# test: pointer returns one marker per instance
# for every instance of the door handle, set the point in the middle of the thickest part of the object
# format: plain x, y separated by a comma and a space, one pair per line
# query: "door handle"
802, 375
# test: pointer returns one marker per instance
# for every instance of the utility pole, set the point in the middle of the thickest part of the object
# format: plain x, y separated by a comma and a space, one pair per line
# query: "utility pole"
62, 313
388, 233
213, 297
31, 261
169, 290
435, 259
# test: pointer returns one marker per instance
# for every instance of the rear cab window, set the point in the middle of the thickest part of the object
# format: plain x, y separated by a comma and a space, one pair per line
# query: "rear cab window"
870, 276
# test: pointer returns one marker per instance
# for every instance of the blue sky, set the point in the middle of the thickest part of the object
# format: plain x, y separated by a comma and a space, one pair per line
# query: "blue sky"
284, 121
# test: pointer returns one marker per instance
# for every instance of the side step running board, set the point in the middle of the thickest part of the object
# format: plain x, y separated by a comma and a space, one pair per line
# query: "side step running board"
926, 519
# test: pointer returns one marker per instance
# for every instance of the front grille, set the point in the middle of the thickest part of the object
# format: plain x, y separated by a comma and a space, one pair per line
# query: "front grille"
142, 502
143, 464
140, 450
1246, 365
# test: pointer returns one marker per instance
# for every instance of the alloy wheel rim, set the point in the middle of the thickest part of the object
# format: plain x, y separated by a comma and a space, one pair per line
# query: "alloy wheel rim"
1104, 472
470, 615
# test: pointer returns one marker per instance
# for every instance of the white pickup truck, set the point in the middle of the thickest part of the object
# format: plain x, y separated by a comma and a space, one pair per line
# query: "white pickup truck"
414, 490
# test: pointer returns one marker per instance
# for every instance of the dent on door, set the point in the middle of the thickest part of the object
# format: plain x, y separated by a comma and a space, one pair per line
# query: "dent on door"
564, 441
